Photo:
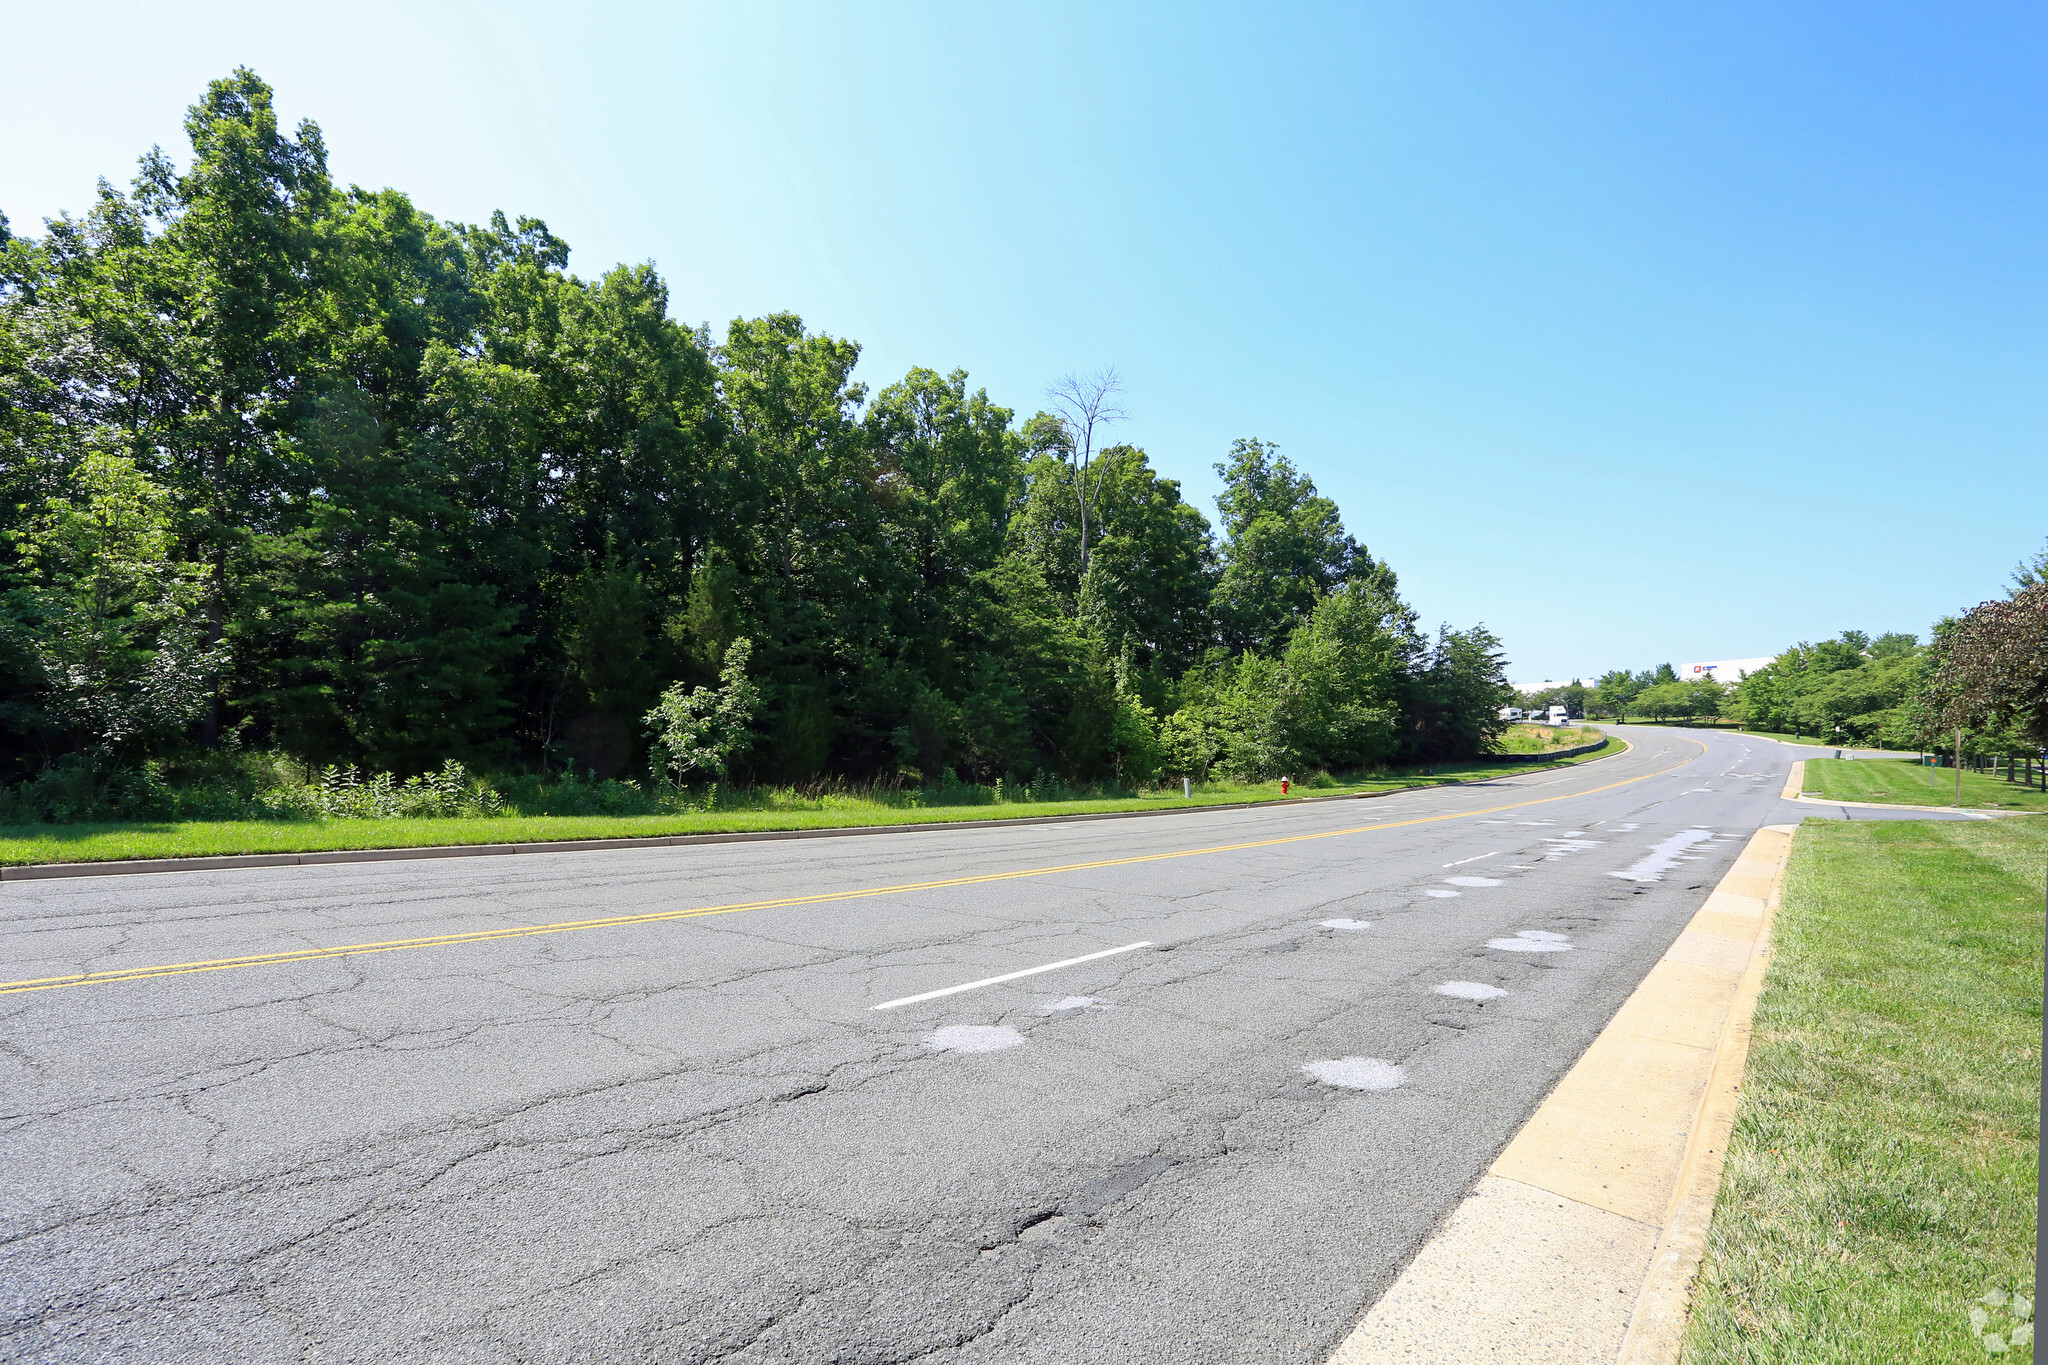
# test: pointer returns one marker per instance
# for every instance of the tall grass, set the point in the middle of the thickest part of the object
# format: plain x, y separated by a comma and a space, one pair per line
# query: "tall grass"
275, 788
1537, 739
337, 811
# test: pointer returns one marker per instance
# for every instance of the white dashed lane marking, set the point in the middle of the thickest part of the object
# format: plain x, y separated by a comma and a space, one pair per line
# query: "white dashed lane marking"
1011, 976
1475, 858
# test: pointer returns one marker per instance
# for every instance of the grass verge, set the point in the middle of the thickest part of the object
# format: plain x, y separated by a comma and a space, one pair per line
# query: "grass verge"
1881, 1178
1785, 738
1537, 739
1904, 782
28, 844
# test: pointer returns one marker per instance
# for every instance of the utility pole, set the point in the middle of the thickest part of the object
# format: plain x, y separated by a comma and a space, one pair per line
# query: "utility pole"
1959, 767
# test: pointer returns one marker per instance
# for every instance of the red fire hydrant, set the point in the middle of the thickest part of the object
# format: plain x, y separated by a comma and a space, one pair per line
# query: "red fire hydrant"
1283, 786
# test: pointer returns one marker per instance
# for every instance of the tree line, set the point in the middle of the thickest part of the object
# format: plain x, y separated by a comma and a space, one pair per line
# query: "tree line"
297, 468
1980, 684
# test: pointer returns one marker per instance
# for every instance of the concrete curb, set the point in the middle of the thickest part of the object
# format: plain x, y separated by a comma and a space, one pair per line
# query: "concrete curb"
1656, 1330
1580, 1243
230, 861
1969, 811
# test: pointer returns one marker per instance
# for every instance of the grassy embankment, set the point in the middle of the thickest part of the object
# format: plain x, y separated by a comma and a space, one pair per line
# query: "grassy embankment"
740, 811
1904, 782
1881, 1179
1538, 739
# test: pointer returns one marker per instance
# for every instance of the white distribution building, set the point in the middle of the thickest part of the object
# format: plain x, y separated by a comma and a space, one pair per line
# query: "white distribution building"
1720, 670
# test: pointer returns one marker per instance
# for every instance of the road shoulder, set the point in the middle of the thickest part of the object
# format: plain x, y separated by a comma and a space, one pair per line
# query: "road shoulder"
309, 858
1580, 1242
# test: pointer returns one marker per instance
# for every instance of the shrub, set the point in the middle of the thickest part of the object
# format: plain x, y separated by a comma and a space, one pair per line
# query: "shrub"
341, 794
235, 786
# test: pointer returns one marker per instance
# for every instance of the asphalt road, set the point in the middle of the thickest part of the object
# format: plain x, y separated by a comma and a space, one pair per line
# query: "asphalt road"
695, 1138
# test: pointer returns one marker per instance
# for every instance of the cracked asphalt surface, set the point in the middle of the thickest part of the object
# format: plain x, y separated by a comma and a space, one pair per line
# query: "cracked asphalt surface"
696, 1140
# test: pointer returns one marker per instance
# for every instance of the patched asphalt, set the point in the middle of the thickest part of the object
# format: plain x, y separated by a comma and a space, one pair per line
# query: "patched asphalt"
696, 1140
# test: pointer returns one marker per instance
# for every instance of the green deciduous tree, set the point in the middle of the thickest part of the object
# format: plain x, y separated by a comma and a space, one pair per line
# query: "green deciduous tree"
1615, 693
1705, 697
696, 733
111, 615
1663, 701
411, 491
1851, 688
1147, 584
1348, 672
1284, 547
1460, 687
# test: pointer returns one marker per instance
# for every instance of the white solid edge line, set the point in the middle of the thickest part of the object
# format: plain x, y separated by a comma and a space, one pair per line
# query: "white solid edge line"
1011, 976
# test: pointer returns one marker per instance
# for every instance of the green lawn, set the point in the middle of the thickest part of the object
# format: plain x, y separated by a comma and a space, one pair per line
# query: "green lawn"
1793, 739
1904, 782
1814, 740
24, 844
1881, 1179
1682, 722
1734, 727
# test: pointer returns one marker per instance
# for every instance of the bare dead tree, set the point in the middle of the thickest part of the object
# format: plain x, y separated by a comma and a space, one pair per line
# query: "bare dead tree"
1084, 402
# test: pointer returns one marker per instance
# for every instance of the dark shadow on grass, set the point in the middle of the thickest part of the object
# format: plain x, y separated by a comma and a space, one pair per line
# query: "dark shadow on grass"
72, 833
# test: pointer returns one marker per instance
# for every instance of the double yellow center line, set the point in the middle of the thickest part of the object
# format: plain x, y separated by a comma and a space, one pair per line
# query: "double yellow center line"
221, 964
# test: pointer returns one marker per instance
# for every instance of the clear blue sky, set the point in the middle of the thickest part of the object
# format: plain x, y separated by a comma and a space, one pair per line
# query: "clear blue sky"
1640, 332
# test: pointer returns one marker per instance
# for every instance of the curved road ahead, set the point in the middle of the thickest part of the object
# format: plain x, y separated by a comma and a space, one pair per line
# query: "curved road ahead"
688, 1136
